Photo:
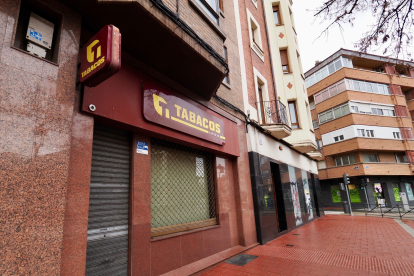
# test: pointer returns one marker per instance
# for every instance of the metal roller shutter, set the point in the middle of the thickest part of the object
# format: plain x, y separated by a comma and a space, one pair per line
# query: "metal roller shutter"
107, 247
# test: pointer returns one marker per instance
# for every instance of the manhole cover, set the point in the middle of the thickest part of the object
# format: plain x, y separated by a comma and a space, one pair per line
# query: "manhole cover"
242, 259
290, 245
296, 234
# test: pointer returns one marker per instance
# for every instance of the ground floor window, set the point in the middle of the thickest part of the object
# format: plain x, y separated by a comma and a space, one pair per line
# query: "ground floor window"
336, 194
182, 188
354, 195
409, 188
396, 191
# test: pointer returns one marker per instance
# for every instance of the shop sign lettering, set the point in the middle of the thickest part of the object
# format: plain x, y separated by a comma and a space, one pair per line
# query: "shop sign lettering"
101, 56
174, 112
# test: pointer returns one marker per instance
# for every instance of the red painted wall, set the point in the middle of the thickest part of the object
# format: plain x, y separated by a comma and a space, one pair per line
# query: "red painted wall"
120, 99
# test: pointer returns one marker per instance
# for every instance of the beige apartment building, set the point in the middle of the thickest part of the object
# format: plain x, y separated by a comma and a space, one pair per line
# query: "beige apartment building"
362, 107
281, 140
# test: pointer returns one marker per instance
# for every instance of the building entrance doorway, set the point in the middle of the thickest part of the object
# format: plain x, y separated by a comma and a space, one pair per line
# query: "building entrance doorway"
278, 194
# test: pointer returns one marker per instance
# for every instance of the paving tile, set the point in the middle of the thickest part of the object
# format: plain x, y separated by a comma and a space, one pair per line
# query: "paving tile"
335, 246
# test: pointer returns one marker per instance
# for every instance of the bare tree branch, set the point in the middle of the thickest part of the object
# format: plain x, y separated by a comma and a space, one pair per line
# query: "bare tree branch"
391, 31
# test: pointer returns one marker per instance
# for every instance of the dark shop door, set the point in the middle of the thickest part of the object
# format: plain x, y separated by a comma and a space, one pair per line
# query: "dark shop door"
280, 204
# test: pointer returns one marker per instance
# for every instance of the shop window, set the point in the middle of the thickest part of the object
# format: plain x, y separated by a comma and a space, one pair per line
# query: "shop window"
285, 61
396, 191
226, 78
371, 158
182, 188
38, 30
293, 114
276, 15
336, 194
354, 195
409, 189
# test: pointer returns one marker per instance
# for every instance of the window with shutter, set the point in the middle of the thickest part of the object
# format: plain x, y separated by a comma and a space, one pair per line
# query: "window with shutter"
285, 61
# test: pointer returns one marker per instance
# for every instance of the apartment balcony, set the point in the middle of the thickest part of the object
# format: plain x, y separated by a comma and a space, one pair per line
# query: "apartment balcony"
360, 169
157, 37
273, 117
369, 144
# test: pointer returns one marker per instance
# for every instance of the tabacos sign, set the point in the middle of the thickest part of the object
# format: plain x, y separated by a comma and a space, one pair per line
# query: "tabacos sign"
101, 56
173, 112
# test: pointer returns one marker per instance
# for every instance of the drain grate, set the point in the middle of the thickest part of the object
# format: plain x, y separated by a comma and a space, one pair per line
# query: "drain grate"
296, 234
242, 259
290, 245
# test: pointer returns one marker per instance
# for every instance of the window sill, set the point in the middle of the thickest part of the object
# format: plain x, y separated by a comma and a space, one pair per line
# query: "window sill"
259, 52
226, 85
213, 24
160, 238
27, 53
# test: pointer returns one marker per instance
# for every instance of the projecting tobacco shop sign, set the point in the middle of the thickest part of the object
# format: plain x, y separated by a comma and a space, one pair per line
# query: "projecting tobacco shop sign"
174, 112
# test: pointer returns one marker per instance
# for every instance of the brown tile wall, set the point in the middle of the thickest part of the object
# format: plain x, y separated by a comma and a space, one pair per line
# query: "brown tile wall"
234, 94
250, 57
36, 106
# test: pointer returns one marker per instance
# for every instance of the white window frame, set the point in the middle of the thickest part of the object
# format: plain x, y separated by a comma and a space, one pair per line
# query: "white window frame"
256, 46
344, 61
259, 77
327, 112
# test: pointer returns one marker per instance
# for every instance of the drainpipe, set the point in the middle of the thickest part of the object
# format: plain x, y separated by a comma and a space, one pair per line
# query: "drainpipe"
271, 62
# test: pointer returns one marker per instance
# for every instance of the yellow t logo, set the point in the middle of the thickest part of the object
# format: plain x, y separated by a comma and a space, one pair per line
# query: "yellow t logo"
157, 100
90, 53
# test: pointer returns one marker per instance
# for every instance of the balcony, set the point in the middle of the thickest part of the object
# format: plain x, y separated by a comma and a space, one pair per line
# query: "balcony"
273, 117
156, 36
359, 169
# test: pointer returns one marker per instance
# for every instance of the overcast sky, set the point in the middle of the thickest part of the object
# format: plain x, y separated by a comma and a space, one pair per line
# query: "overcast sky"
308, 30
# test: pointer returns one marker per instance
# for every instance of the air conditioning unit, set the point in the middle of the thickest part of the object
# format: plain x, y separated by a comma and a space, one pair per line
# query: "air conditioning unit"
39, 35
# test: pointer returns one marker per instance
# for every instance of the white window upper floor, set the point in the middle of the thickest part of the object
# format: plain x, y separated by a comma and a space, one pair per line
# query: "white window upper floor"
356, 107
362, 131
328, 70
352, 85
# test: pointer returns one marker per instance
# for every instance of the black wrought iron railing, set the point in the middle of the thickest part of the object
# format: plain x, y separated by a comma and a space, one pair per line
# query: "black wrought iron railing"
272, 112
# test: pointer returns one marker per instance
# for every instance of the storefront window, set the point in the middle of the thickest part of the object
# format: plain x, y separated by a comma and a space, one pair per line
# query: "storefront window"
295, 195
378, 194
336, 194
182, 188
396, 191
307, 192
354, 195
409, 188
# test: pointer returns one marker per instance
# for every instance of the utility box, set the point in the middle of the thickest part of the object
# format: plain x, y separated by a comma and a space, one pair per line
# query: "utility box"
39, 35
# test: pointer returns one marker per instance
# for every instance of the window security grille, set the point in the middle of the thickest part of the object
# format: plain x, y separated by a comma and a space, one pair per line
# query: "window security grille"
182, 188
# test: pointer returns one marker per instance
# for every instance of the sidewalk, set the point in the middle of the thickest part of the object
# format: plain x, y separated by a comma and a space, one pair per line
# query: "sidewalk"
333, 245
